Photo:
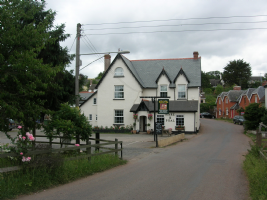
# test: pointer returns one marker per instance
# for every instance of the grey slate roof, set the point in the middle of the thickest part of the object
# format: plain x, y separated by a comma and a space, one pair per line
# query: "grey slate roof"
92, 94
174, 106
234, 95
260, 91
146, 72
235, 107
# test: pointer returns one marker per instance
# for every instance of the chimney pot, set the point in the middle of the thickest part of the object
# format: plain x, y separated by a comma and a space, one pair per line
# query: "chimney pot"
107, 61
195, 55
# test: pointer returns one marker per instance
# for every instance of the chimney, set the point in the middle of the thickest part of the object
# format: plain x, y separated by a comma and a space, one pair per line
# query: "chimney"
195, 54
107, 61
237, 87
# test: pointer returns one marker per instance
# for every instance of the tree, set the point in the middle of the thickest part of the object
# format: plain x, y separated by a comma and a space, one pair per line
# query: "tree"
237, 72
218, 90
214, 74
253, 114
24, 78
205, 82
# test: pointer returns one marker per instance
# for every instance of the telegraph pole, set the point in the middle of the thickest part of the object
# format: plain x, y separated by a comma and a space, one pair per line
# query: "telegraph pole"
78, 36
77, 73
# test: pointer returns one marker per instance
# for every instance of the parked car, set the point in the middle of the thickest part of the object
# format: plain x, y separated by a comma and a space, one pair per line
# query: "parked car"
207, 115
11, 124
238, 119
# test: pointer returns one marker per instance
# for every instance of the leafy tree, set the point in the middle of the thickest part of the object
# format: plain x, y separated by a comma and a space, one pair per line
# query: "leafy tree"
218, 90
255, 84
24, 78
237, 72
82, 81
253, 114
207, 107
69, 121
205, 82
214, 74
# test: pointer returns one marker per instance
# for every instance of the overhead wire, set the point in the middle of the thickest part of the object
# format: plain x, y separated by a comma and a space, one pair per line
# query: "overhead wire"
176, 25
197, 18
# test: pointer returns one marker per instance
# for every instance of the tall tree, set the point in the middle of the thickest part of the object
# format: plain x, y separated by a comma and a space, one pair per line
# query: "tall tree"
205, 82
237, 72
24, 78
214, 74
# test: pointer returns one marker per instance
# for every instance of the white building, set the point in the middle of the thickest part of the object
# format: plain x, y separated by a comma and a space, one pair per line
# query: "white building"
118, 93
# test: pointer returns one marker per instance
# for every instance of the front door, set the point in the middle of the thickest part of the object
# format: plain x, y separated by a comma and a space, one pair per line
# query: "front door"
142, 124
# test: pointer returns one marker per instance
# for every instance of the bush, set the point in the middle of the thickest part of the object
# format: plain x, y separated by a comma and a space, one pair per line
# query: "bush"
253, 114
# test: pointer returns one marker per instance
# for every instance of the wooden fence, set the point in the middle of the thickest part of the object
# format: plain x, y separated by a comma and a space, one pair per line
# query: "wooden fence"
99, 144
260, 142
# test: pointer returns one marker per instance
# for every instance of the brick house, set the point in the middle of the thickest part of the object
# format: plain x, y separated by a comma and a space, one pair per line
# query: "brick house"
229, 102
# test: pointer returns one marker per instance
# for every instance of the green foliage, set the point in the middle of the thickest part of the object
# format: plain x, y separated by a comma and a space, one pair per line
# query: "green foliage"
253, 114
69, 121
237, 72
24, 79
218, 90
36, 178
211, 99
256, 171
255, 84
240, 110
214, 74
205, 82
82, 81
207, 107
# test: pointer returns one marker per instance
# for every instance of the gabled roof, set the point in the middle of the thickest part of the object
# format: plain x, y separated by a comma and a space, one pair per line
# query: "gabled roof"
260, 91
162, 73
181, 72
92, 94
247, 93
221, 95
174, 106
146, 72
234, 95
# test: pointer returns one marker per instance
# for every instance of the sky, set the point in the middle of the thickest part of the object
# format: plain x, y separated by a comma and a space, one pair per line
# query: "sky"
221, 31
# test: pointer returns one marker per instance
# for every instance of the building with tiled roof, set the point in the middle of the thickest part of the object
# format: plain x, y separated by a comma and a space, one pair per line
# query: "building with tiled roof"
125, 81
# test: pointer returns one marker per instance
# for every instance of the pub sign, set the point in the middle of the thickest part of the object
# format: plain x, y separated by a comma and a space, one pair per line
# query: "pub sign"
163, 106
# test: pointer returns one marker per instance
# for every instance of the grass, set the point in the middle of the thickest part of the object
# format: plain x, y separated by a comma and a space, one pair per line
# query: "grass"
52, 172
256, 169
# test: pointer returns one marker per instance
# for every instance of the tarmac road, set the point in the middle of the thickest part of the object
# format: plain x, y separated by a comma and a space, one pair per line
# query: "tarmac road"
206, 167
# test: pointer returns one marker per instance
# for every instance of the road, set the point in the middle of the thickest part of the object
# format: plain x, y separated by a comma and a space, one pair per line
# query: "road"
206, 167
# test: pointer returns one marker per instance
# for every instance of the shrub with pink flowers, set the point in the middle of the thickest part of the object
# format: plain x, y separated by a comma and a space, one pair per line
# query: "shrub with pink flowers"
135, 116
22, 143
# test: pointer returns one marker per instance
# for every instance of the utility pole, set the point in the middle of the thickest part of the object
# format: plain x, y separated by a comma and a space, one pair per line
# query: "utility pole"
78, 36
77, 73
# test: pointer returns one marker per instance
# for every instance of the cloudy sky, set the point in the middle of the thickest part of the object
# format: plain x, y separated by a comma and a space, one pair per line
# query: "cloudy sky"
220, 31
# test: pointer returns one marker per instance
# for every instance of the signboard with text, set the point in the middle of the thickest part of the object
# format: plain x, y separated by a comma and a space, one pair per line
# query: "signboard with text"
163, 106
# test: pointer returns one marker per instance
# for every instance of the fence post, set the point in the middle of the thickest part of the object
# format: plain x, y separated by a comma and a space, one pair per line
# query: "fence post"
88, 149
116, 147
121, 150
258, 140
97, 137
50, 142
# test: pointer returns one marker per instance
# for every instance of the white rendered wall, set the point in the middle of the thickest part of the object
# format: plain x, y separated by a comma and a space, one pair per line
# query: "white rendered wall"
89, 108
106, 103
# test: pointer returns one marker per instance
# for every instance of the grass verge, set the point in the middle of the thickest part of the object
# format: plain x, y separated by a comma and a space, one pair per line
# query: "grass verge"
256, 169
35, 178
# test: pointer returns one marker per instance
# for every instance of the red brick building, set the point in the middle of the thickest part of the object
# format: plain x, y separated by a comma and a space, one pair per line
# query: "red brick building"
229, 102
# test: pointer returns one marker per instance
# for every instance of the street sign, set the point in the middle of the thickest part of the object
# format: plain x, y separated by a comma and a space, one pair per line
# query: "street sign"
163, 106
158, 128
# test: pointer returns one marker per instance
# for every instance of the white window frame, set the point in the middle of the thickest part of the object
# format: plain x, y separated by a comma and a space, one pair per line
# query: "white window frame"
226, 100
220, 112
227, 112
118, 72
95, 101
181, 91
117, 121
256, 99
179, 120
90, 117
219, 100
163, 91
118, 92
162, 119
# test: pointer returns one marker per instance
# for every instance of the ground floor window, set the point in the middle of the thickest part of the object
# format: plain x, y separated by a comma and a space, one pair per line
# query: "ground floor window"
118, 118
90, 117
226, 111
220, 112
179, 120
160, 119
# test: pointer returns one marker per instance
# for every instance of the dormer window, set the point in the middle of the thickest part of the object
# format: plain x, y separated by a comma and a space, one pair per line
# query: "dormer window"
118, 71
